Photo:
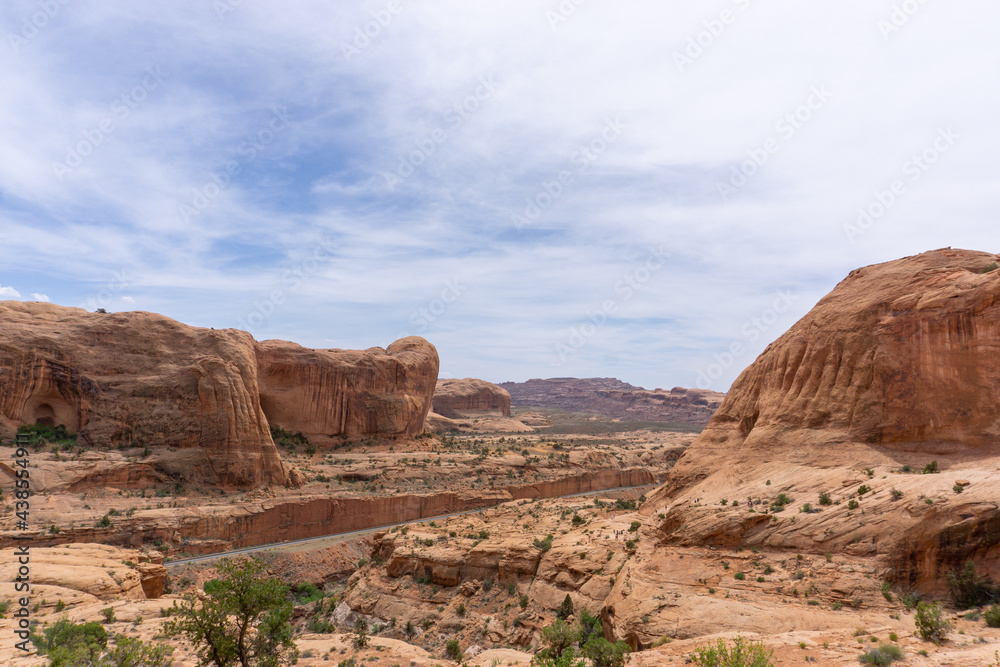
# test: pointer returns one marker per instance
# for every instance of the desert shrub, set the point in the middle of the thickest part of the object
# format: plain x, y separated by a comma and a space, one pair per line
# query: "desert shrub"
590, 626
566, 608
992, 616
885, 654
523, 602
863, 489
460, 610
577, 520
543, 545
896, 494
930, 622
806, 508
634, 526
852, 505
739, 576
968, 589
931, 468
824, 499
453, 650
558, 637
958, 488
109, 615
743, 653
603, 653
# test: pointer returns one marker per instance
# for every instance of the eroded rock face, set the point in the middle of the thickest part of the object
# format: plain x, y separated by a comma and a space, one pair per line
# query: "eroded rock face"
902, 356
139, 379
460, 398
898, 366
332, 392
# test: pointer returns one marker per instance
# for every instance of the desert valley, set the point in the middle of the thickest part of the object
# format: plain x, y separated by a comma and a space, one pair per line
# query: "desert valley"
839, 501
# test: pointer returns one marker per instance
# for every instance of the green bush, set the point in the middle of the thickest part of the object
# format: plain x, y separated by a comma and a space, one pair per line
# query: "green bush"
967, 588
634, 526
931, 468
453, 650
543, 545
824, 499
992, 616
603, 653
885, 654
523, 602
930, 622
566, 608
743, 653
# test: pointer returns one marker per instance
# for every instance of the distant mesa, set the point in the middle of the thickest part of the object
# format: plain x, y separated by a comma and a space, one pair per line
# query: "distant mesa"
204, 400
616, 399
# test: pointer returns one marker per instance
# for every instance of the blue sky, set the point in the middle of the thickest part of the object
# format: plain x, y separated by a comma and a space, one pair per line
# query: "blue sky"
652, 191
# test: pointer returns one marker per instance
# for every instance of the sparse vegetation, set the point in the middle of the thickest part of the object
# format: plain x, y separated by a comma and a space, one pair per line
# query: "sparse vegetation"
741, 653
930, 622
885, 654
968, 589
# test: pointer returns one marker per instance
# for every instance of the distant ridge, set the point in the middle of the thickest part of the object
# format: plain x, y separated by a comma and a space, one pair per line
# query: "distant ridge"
610, 397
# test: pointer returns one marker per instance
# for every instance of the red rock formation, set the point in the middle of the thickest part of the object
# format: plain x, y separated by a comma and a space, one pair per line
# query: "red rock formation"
455, 399
141, 379
898, 365
616, 399
332, 392
902, 356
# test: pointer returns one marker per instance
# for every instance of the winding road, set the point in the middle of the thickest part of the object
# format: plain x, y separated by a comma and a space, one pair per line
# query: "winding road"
341, 537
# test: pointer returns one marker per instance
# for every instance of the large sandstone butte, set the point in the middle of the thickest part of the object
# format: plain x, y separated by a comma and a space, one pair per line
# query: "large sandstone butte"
141, 379
458, 398
898, 366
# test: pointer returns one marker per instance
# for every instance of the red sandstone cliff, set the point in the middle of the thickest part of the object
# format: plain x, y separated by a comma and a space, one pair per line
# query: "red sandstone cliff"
455, 398
141, 379
898, 366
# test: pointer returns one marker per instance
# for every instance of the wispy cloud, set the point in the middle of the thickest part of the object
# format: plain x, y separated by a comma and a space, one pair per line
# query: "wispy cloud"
112, 229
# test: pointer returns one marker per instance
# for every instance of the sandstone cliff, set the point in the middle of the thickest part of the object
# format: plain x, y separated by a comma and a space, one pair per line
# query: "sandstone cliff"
455, 399
899, 366
139, 379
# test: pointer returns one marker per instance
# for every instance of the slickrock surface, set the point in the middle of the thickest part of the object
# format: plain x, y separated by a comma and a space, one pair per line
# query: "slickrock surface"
896, 368
138, 379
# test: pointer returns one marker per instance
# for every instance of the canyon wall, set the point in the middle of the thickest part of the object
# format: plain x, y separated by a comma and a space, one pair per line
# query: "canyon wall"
458, 398
139, 379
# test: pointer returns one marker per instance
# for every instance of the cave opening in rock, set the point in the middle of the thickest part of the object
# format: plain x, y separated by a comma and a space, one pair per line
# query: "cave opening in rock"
45, 415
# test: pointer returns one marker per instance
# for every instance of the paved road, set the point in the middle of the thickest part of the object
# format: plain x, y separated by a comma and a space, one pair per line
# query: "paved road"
342, 537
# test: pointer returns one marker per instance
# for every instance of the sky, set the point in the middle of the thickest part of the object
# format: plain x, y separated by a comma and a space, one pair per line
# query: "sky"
650, 190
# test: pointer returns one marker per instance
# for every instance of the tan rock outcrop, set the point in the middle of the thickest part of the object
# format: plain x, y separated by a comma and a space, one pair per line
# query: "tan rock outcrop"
456, 399
898, 365
98, 570
139, 379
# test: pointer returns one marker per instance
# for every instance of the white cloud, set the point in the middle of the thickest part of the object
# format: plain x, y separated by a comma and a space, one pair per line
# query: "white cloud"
9, 293
40, 297
553, 89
